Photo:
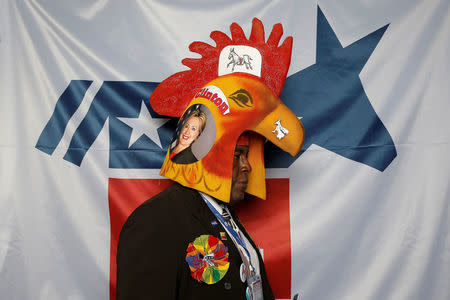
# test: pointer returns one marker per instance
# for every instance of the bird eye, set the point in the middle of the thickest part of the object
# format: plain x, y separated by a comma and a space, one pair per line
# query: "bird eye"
242, 98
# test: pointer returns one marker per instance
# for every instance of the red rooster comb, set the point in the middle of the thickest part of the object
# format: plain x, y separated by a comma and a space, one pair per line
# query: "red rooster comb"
172, 96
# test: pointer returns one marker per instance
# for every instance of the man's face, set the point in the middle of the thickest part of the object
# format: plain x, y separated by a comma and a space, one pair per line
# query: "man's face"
239, 177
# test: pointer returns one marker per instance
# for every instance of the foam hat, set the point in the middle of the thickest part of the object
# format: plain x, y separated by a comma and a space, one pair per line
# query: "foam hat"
237, 84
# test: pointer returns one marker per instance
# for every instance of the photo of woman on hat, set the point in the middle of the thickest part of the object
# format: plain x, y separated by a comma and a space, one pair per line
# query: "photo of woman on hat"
192, 125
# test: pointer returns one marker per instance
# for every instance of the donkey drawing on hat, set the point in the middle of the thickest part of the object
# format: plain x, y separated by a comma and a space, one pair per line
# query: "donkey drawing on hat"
280, 130
239, 60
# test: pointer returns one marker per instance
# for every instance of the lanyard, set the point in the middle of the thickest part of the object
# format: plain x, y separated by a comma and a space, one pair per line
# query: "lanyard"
254, 289
227, 226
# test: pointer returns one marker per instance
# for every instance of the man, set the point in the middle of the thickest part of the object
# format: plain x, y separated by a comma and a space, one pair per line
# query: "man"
152, 259
186, 242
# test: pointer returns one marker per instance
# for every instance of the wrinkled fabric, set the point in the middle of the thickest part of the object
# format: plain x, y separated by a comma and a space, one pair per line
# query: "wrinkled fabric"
367, 199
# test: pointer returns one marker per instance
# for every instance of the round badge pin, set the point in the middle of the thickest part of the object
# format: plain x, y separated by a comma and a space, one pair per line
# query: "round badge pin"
242, 272
207, 258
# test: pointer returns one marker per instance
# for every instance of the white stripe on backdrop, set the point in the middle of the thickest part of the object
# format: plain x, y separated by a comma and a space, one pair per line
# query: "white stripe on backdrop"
356, 232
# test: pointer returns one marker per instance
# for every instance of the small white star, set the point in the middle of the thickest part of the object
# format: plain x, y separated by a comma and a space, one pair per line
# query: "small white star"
144, 124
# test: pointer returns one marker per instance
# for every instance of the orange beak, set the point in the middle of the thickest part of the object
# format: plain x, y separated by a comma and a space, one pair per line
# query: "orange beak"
282, 128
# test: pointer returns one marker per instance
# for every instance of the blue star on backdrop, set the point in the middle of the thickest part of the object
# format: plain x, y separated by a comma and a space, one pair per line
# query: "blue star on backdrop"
335, 110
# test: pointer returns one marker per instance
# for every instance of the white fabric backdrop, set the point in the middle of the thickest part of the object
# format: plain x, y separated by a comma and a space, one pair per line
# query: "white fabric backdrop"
357, 233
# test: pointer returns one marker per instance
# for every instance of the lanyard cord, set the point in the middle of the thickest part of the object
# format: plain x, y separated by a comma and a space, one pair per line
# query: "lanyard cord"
237, 239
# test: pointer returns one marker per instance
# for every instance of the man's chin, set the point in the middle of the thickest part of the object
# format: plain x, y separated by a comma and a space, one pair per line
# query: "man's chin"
237, 197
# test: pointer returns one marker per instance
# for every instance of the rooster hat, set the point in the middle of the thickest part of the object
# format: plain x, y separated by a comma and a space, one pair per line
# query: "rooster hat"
237, 84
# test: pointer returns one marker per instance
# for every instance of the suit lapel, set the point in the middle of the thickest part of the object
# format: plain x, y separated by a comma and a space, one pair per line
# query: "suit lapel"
201, 212
203, 215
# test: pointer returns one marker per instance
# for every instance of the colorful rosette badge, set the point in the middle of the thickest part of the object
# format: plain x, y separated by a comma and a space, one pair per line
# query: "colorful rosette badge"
207, 258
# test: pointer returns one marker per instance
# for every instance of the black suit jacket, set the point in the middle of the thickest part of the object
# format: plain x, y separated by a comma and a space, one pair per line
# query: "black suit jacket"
152, 250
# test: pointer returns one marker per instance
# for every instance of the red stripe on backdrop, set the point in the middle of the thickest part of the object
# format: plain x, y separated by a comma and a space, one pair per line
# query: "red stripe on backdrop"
124, 196
266, 221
